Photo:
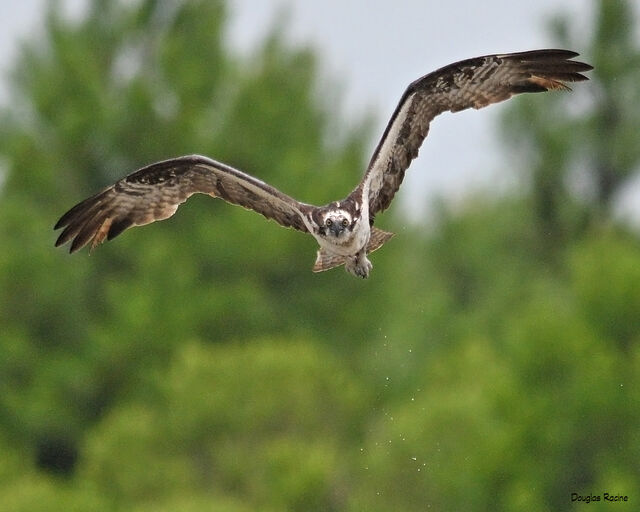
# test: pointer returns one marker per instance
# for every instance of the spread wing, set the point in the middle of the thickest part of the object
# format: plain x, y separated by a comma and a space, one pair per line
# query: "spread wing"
155, 192
469, 83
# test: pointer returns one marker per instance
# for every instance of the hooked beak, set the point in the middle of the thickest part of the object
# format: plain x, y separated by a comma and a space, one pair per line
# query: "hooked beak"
337, 228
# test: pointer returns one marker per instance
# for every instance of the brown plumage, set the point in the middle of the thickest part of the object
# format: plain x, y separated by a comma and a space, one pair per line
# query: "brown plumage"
471, 83
155, 192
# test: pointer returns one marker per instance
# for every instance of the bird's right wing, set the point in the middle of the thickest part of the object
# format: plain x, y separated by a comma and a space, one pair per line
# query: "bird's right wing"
155, 192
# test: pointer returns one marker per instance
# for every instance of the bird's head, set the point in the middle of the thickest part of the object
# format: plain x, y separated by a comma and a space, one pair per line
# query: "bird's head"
337, 222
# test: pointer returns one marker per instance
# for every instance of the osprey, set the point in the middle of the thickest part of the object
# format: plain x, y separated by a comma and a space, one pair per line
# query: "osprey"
344, 229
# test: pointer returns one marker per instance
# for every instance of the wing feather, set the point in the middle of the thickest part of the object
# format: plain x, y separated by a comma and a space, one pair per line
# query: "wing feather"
476, 83
155, 192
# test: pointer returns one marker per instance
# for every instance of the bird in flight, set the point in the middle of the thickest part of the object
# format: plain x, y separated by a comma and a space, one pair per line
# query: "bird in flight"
343, 229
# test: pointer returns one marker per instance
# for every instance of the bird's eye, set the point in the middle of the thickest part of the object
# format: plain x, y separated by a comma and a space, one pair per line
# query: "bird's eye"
345, 223
329, 222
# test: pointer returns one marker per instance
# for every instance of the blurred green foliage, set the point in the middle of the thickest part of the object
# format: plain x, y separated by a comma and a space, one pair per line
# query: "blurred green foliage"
490, 363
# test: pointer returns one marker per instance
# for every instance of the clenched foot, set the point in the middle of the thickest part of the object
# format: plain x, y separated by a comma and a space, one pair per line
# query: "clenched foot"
359, 266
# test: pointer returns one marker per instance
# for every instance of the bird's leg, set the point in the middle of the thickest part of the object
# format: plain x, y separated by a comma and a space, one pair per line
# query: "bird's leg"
359, 265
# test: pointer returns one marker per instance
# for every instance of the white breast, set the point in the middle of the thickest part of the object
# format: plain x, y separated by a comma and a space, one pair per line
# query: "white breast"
354, 242
348, 246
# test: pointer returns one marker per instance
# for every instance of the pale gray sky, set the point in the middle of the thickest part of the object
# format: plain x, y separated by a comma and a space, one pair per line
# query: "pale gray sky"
372, 49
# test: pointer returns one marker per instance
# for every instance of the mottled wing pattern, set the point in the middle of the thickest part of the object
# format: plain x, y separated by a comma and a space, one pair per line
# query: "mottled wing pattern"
155, 192
469, 83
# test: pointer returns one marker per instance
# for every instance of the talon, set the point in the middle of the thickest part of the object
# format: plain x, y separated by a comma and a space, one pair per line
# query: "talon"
359, 266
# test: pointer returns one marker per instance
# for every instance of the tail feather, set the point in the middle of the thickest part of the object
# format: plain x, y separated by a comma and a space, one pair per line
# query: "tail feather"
378, 239
327, 261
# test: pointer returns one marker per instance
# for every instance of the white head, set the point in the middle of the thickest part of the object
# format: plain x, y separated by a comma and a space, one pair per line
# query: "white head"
337, 223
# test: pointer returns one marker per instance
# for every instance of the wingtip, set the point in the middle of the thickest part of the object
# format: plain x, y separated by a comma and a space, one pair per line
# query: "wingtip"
553, 60
75, 246
62, 239
585, 66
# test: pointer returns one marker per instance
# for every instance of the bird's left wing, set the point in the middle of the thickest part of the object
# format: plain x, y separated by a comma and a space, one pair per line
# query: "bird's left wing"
155, 192
469, 83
